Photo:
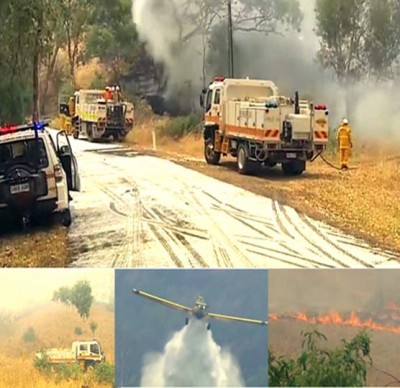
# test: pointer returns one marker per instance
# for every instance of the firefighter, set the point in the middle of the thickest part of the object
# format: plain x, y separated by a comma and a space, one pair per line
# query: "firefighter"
108, 94
71, 106
344, 143
120, 97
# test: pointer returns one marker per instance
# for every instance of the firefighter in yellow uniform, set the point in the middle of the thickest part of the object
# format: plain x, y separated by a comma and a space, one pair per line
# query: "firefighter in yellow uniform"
344, 144
71, 106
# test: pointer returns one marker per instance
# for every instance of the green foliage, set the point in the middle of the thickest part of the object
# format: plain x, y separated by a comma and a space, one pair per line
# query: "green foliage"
358, 38
344, 366
112, 36
80, 296
78, 330
29, 336
67, 372
42, 364
59, 372
105, 373
181, 126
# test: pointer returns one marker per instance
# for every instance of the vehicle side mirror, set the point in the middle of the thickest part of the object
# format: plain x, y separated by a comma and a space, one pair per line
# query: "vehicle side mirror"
65, 150
202, 100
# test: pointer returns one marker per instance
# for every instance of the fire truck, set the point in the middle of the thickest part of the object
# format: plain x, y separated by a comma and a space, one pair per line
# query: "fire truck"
85, 353
249, 120
96, 118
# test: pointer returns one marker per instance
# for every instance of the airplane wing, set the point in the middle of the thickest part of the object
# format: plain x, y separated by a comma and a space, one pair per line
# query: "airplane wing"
165, 302
237, 319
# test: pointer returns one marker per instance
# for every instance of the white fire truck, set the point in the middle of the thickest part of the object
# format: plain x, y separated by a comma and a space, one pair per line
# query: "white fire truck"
249, 120
84, 353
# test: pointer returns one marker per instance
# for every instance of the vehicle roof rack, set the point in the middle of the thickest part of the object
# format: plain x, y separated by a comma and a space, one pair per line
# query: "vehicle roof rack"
37, 126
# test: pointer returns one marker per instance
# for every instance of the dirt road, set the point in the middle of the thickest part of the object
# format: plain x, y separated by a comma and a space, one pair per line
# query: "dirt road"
141, 211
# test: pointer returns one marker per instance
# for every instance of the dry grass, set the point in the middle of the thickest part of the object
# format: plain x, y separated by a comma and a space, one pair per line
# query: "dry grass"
54, 327
362, 201
285, 339
35, 248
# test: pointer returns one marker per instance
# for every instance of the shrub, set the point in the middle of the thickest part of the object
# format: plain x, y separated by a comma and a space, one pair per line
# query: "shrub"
29, 336
42, 364
78, 330
181, 126
68, 372
93, 327
344, 366
105, 373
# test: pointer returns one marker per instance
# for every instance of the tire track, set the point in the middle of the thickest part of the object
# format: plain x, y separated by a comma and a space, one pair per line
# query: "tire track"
282, 213
127, 249
182, 239
215, 227
166, 246
239, 212
328, 241
281, 260
317, 264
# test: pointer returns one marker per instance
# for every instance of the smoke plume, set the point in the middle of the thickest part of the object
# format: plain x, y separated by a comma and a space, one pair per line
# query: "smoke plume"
289, 59
191, 358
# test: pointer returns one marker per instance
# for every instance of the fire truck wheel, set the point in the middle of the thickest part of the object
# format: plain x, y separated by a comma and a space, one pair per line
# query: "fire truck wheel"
294, 168
245, 165
211, 156
66, 218
90, 133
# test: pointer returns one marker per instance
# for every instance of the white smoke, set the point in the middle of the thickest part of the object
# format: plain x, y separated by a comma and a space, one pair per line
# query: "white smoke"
191, 358
157, 24
289, 60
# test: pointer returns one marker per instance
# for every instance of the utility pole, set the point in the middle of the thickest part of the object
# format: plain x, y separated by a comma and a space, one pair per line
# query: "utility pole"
230, 40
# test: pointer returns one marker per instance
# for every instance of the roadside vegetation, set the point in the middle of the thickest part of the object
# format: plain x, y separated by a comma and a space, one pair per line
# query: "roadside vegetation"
343, 366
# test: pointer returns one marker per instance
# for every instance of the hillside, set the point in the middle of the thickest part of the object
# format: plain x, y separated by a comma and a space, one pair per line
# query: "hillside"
54, 326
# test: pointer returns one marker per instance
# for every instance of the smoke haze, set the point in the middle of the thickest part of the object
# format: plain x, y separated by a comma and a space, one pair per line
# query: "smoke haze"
23, 289
289, 60
325, 291
191, 358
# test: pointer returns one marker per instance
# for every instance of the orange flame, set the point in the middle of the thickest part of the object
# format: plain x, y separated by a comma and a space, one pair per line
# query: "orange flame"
337, 319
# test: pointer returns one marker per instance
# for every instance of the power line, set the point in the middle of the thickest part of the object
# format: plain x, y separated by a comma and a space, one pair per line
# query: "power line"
230, 40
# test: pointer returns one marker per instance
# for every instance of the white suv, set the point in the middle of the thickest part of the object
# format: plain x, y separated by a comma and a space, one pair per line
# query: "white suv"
36, 173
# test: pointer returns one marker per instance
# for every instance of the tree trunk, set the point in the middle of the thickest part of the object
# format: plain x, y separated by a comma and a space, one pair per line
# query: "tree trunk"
49, 73
35, 80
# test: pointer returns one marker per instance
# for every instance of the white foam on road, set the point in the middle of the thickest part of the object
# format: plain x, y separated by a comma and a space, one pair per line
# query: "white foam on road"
142, 211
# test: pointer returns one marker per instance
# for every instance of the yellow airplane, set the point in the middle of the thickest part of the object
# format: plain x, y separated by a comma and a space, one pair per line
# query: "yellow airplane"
199, 310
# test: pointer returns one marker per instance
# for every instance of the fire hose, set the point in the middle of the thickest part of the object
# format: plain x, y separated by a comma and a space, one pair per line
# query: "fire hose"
319, 155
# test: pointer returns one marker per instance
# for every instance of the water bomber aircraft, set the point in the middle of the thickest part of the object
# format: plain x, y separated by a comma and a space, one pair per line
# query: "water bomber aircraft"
198, 311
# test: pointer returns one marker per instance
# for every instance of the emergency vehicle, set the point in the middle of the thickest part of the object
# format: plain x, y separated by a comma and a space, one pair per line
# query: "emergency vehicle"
251, 121
36, 173
97, 118
85, 353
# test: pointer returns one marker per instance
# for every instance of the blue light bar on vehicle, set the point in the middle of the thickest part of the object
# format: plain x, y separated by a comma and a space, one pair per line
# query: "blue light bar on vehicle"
37, 126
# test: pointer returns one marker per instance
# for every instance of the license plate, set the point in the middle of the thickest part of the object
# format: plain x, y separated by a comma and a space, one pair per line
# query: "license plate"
16, 189
291, 155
